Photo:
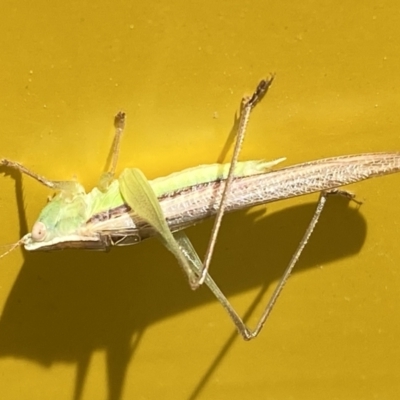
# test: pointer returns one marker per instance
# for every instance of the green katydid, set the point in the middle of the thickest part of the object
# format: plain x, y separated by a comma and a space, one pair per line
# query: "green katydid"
129, 209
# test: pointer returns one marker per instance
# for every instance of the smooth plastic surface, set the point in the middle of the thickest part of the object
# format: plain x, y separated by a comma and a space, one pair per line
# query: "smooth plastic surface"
79, 325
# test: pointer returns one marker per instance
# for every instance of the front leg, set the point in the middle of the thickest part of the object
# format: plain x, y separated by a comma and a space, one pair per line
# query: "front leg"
67, 186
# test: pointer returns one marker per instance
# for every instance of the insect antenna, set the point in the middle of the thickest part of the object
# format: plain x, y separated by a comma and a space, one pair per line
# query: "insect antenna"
13, 246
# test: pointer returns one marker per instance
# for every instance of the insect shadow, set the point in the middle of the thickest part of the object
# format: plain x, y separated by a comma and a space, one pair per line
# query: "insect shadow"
66, 305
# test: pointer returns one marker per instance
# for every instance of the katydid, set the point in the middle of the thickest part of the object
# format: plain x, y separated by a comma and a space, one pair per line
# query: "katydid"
129, 209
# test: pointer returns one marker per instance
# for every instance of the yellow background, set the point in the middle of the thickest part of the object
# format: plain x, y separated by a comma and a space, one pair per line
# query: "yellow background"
124, 325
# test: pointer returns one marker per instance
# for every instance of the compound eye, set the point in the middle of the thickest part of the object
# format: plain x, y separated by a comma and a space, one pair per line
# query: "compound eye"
38, 231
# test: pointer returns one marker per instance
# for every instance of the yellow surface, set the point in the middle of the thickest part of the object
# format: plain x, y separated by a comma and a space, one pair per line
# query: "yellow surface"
125, 325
